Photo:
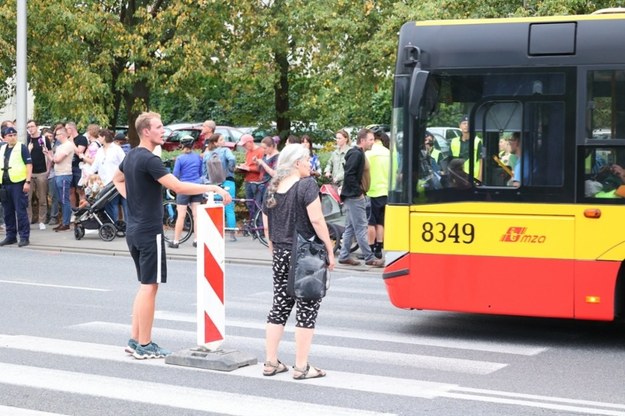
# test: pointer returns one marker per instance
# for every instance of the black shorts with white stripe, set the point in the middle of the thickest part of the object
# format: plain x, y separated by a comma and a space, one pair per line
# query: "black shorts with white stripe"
148, 253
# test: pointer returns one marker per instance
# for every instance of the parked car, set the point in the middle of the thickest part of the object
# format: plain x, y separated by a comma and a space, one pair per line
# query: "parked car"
448, 133
174, 132
121, 129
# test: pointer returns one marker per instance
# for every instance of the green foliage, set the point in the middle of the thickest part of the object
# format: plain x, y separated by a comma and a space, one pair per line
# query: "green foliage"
240, 62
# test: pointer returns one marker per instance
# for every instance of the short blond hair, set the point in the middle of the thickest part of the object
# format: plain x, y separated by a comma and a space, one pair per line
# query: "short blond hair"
145, 120
93, 130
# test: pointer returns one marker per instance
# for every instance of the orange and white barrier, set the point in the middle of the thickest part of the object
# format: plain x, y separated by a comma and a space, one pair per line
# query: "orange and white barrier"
211, 311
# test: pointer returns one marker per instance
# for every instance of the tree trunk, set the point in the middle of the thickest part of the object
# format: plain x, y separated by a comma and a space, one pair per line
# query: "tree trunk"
136, 102
281, 90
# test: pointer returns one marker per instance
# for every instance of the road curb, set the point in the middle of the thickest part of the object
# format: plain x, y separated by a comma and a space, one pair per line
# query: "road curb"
184, 257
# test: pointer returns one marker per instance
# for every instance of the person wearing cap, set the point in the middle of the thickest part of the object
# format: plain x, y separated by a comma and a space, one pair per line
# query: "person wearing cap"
122, 141
459, 147
15, 179
188, 168
252, 178
5, 123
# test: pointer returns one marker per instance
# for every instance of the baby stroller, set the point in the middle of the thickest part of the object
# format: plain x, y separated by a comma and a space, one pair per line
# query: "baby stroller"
332, 209
95, 217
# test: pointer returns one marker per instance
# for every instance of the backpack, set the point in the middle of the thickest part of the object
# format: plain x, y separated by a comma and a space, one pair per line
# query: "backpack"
215, 169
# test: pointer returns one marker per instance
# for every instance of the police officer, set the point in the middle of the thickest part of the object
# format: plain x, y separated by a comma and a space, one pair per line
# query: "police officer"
17, 169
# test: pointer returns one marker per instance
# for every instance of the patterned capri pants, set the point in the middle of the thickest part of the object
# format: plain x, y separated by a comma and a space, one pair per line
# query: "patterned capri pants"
307, 310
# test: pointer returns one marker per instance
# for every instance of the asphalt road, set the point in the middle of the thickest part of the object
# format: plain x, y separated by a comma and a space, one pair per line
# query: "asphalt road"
65, 319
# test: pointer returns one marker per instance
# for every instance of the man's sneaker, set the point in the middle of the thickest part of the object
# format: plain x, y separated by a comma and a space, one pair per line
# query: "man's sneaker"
42, 226
132, 346
150, 351
174, 244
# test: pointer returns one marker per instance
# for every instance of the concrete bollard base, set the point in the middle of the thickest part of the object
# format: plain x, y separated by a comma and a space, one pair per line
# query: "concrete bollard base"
220, 360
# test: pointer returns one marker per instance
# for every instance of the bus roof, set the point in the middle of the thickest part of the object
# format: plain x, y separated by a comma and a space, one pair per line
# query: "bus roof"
558, 41
540, 19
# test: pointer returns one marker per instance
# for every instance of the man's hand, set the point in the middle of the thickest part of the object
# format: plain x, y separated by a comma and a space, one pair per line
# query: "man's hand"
225, 196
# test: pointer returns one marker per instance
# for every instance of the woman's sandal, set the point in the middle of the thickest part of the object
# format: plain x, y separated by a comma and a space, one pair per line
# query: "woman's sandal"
271, 369
308, 372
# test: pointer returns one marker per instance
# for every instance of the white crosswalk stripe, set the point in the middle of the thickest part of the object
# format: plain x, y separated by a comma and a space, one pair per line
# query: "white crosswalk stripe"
358, 346
358, 354
503, 348
15, 411
161, 394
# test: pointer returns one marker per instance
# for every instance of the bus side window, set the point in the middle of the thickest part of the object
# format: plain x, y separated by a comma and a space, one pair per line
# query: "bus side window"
604, 179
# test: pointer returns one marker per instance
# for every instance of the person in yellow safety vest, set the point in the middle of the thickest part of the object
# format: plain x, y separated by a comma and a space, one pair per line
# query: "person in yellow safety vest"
459, 147
15, 181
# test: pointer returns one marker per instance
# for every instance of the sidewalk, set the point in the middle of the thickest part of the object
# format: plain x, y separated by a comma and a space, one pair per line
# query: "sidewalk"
243, 251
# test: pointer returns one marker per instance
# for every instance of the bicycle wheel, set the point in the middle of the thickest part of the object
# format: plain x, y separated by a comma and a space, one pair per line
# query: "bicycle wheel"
170, 215
169, 220
335, 236
259, 229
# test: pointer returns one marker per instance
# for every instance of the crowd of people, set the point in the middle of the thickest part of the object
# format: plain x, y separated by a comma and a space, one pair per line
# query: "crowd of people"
65, 170
59, 170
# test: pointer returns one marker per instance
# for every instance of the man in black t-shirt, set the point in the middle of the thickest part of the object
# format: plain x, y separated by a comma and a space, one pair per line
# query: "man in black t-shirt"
139, 179
76, 193
38, 194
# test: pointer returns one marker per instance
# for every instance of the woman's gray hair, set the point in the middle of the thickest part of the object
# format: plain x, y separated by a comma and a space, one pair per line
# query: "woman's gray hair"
286, 163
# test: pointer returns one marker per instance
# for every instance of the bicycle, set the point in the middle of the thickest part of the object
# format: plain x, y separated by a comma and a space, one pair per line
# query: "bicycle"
256, 229
170, 215
251, 227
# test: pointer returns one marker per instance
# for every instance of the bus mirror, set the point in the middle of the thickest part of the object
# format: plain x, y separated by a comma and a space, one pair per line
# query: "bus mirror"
418, 83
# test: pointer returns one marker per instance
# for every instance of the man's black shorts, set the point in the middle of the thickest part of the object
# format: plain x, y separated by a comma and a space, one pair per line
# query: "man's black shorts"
148, 253
378, 206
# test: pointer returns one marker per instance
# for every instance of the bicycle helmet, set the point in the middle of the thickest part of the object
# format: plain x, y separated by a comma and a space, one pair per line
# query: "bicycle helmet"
187, 141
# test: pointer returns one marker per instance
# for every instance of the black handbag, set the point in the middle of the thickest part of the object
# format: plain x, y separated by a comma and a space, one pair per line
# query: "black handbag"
308, 274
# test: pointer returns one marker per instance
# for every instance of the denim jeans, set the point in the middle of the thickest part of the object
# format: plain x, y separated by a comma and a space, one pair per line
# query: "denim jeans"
63, 184
54, 198
253, 190
356, 224
112, 208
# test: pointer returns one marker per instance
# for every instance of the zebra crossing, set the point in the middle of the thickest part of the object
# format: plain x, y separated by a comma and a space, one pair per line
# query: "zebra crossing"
371, 376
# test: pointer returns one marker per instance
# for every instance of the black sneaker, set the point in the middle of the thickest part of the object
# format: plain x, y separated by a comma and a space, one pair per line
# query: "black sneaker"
23, 242
7, 241
173, 245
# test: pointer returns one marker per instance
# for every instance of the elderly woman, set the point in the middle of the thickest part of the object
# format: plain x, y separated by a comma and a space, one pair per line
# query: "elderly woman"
292, 203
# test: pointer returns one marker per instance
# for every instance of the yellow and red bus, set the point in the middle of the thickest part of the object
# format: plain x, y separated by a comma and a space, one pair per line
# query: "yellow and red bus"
525, 214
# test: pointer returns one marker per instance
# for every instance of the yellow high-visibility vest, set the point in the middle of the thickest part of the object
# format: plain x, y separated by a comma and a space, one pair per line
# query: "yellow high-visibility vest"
17, 167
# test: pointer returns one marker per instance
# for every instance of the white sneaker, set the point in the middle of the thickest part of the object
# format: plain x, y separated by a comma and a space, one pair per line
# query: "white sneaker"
42, 226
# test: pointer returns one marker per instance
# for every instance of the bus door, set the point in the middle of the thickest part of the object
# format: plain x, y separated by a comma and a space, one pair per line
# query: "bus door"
498, 255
